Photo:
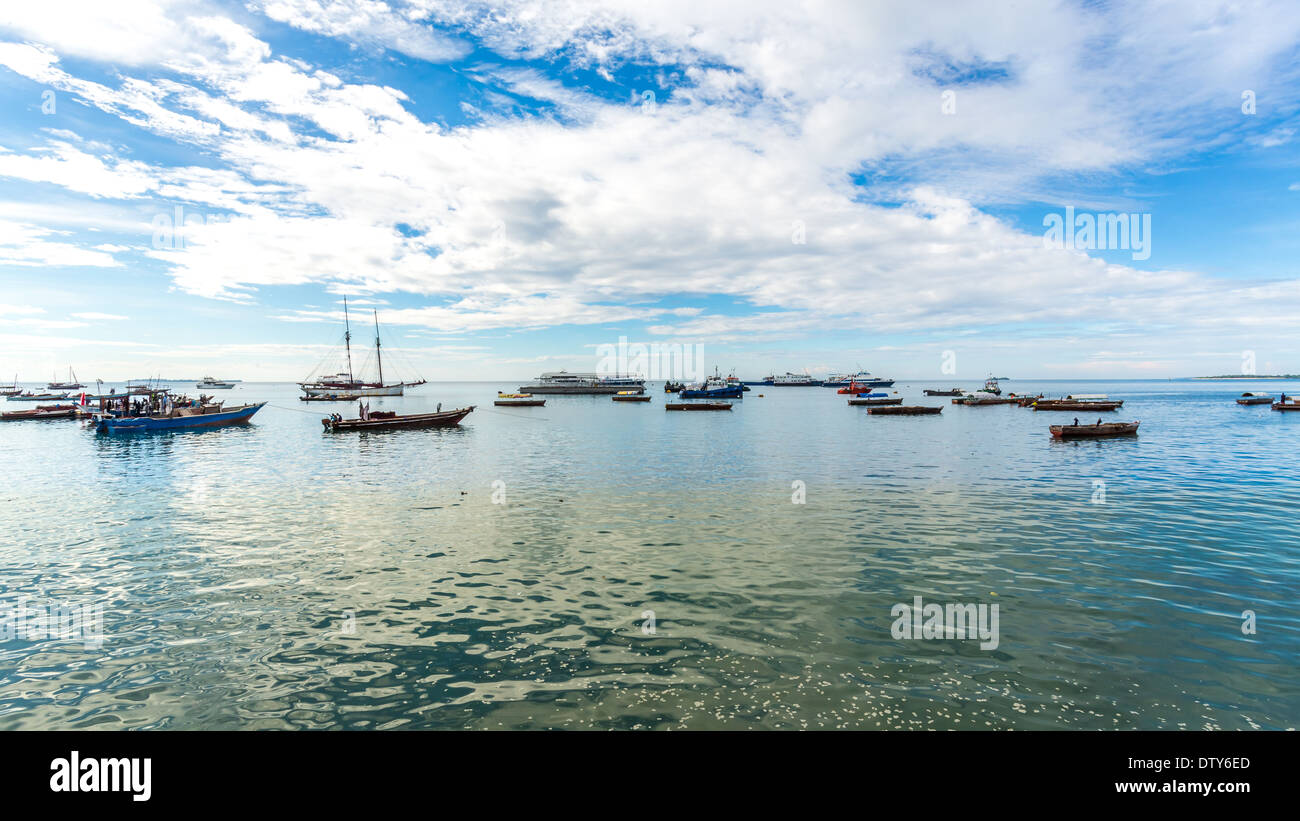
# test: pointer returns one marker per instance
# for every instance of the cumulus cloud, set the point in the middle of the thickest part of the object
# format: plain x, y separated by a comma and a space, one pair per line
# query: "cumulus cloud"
738, 182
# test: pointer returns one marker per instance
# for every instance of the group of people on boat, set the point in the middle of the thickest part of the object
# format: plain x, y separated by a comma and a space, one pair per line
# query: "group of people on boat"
1076, 421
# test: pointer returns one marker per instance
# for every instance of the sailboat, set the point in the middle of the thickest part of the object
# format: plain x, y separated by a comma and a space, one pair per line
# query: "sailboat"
11, 389
349, 382
71, 385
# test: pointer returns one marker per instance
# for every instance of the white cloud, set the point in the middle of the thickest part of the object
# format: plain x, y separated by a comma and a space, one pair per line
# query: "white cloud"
767, 111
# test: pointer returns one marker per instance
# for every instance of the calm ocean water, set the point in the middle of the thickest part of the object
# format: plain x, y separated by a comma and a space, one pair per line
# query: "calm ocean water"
274, 576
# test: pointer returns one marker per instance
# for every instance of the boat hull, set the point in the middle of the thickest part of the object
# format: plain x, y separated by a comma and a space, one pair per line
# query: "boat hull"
1257, 400
38, 397
714, 393
132, 424
631, 398
943, 393
1290, 406
573, 390
441, 419
904, 410
1086, 407
875, 402
698, 406
52, 412
1095, 431
519, 403
375, 390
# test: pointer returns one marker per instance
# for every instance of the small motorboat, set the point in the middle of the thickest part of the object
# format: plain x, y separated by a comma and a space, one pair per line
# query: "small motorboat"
1255, 399
630, 396
389, 420
876, 401
41, 412
697, 406
210, 382
904, 410
953, 392
1087, 407
1095, 430
177, 416
518, 400
674, 387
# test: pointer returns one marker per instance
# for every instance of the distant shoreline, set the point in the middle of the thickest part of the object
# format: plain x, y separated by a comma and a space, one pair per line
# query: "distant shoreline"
1251, 376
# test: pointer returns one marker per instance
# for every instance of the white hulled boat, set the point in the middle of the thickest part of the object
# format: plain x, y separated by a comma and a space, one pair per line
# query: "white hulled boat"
347, 382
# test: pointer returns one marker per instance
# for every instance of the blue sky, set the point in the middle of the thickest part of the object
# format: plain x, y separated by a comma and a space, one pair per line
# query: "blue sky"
819, 186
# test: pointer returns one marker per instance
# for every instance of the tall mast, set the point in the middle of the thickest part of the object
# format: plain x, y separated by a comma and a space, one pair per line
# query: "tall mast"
378, 357
347, 337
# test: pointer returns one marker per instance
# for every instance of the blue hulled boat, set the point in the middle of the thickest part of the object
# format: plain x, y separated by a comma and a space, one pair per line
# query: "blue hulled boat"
725, 392
205, 416
715, 387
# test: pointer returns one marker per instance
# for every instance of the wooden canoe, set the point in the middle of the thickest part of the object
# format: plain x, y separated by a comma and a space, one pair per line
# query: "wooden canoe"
1078, 406
519, 403
41, 412
875, 402
982, 401
904, 410
697, 406
953, 392
634, 398
872, 403
1094, 431
381, 420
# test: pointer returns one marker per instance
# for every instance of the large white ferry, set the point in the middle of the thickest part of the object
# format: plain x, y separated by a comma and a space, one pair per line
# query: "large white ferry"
583, 383
843, 380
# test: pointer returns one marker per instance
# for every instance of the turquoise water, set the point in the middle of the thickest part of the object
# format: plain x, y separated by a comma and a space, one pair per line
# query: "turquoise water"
275, 576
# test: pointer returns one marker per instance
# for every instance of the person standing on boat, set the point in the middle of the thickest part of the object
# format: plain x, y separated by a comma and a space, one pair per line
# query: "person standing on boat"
1076, 421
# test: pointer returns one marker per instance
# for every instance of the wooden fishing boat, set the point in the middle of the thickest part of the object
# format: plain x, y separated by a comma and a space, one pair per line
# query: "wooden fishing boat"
518, 400
953, 392
983, 400
1095, 430
905, 410
697, 406
630, 396
1286, 406
876, 402
1255, 399
41, 412
178, 418
1087, 407
1026, 401
38, 397
388, 420
330, 397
